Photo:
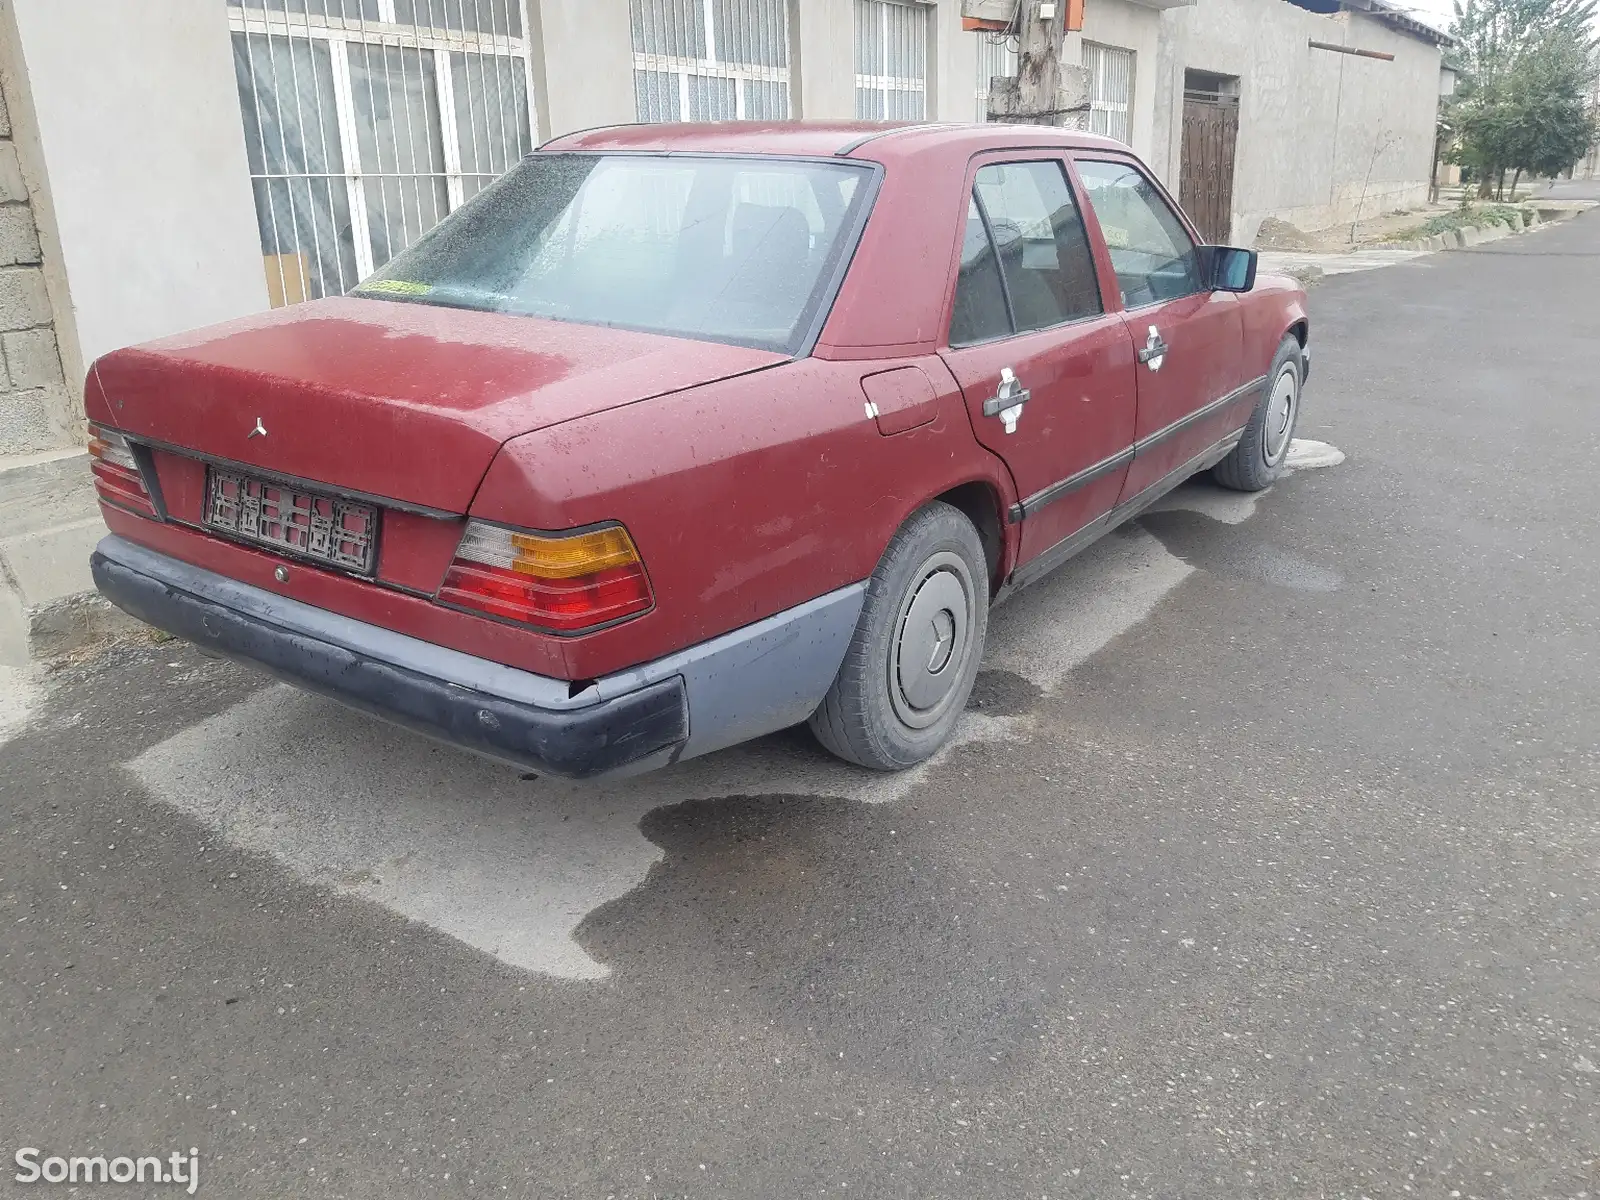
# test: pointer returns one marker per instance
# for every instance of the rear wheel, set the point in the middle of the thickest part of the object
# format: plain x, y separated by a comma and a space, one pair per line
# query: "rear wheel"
910, 666
1257, 461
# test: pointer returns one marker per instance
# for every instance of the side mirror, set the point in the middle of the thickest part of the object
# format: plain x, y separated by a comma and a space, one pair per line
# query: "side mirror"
1227, 268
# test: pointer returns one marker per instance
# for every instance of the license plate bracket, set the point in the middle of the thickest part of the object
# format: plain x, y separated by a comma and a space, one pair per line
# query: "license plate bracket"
290, 519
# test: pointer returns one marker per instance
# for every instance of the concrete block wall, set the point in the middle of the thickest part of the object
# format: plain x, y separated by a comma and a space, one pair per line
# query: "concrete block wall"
34, 404
1312, 124
134, 149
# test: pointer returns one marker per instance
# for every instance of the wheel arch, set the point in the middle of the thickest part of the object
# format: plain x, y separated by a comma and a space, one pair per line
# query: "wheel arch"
980, 501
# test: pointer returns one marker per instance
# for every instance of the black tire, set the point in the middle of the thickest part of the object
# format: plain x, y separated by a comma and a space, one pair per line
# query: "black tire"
887, 709
1257, 461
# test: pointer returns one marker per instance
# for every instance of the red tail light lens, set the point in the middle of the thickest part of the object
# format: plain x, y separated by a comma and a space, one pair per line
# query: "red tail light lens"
564, 584
116, 472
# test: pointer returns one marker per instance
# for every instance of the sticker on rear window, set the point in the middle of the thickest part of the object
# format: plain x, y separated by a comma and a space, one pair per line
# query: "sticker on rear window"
398, 287
1116, 238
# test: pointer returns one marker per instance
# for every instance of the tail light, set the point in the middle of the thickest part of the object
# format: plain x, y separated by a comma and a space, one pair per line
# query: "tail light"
560, 583
116, 472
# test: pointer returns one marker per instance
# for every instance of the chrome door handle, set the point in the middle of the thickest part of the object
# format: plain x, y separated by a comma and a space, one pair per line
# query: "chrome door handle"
1007, 402
1154, 352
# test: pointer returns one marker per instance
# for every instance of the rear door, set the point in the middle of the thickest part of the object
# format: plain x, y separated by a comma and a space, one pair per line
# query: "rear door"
1189, 339
1047, 373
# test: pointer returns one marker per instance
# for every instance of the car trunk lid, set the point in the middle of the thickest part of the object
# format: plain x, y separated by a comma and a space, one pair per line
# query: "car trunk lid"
397, 401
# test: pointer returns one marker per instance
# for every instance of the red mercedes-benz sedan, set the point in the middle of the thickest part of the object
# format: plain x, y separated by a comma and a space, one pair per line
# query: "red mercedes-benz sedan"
681, 434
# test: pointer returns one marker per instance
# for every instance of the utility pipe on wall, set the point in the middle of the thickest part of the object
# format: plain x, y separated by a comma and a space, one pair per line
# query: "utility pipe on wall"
1378, 54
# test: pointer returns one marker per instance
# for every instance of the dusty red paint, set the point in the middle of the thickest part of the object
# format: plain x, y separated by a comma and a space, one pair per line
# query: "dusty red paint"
756, 494
749, 482
404, 401
1081, 412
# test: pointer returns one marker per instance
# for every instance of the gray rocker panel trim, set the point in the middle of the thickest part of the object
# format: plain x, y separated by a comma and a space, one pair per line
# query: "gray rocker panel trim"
1064, 487
1073, 543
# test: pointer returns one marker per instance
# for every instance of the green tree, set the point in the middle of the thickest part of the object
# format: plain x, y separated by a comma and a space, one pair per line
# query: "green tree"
1527, 68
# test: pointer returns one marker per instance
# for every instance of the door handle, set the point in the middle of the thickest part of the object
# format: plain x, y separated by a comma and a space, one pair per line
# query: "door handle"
1007, 402
1154, 351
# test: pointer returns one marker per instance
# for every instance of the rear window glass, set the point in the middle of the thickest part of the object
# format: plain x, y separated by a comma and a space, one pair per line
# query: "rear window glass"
738, 250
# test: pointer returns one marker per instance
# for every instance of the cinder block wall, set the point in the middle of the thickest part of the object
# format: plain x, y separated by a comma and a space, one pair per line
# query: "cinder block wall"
34, 405
1321, 135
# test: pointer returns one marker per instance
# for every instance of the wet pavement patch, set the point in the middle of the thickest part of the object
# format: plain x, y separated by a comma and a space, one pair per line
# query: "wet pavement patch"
1236, 553
1003, 693
848, 929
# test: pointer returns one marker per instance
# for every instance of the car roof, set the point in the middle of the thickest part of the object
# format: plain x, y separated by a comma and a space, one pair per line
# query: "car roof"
876, 141
910, 247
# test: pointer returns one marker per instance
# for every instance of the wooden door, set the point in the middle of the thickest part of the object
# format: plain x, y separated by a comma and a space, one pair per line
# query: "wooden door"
1205, 177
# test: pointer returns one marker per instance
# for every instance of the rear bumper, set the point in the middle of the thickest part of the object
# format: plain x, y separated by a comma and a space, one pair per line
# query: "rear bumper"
755, 680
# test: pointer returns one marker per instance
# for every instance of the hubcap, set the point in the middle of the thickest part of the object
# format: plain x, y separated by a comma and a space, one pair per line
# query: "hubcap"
932, 641
1280, 414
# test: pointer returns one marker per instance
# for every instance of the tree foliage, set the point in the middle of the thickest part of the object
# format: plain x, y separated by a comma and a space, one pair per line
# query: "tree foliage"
1528, 70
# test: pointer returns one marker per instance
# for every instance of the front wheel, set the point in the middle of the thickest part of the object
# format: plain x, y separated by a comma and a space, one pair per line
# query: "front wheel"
910, 666
1257, 461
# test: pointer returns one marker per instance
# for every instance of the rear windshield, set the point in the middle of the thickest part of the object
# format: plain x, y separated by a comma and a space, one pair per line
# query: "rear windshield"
739, 250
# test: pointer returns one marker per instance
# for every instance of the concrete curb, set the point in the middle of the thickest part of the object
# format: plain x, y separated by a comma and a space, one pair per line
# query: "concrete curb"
1476, 235
1305, 274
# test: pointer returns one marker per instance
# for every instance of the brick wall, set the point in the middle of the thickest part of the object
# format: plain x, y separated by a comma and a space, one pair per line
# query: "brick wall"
34, 405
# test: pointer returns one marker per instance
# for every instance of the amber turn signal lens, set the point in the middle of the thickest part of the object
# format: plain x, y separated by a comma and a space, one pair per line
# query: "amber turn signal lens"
569, 557
560, 583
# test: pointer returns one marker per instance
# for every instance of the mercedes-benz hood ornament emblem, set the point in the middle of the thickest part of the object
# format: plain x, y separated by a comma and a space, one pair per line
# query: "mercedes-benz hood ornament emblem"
259, 431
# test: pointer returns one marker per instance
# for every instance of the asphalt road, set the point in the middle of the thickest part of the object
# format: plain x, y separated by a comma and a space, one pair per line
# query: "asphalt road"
1268, 867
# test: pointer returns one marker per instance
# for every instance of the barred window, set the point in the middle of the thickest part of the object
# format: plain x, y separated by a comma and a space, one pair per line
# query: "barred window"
1110, 90
367, 121
710, 60
891, 60
997, 55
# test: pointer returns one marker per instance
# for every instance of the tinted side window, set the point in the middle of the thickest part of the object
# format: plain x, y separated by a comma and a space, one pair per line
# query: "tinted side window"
1044, 251
980, 308
1151, 253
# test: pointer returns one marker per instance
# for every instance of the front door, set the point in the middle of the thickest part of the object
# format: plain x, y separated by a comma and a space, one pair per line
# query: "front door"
1047, 374
1189, 339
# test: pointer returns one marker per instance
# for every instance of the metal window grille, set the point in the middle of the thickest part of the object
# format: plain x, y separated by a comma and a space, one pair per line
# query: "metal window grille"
710, 60
1110, 90
997, 55
891, 60
367, 121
